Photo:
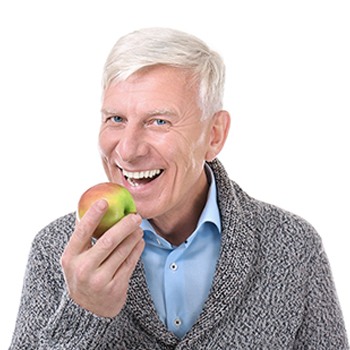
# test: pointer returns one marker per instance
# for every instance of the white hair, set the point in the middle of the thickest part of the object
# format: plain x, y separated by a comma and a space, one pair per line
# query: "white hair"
164, 46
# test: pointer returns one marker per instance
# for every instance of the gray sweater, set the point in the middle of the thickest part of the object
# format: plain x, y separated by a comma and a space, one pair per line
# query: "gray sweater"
272, 289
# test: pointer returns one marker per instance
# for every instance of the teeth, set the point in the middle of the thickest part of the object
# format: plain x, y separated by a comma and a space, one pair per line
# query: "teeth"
141, 174
133, 183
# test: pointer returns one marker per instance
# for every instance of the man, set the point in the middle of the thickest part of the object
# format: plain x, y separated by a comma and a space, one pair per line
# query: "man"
201, 265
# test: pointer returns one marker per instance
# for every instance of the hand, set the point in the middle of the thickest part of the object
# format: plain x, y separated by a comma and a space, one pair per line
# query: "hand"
97, 276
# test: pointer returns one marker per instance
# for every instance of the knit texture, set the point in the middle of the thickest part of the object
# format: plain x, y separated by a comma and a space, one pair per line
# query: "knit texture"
272, 289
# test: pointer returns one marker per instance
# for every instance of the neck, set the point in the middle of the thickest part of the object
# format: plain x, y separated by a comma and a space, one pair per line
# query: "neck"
177, 229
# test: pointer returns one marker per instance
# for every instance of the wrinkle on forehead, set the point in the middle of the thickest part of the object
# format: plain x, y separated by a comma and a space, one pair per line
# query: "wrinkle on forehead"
188, 76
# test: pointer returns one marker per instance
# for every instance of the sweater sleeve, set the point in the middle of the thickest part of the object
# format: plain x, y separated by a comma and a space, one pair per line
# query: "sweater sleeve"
47, 317
323, 326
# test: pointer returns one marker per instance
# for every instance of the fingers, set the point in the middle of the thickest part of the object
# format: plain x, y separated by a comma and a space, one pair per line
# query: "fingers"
82, 234
116, 271
129, 264
121, 235
126, 253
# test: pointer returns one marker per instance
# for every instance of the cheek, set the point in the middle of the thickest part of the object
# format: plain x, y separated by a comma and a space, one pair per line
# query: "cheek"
187, 154
195, 149
104, 143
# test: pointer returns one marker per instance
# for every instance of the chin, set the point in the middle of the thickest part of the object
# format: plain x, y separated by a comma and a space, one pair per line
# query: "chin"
146, 210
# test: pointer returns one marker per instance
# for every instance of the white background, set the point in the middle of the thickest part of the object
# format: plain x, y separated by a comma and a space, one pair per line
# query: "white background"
288, 90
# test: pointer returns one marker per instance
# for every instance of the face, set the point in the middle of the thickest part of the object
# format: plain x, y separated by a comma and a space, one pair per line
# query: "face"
153, 141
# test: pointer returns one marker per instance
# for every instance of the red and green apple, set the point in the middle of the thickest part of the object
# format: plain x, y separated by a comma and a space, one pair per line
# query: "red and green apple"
120, 204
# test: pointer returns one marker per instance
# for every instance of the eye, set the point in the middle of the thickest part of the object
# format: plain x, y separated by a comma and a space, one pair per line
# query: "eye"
116, 119
159, 122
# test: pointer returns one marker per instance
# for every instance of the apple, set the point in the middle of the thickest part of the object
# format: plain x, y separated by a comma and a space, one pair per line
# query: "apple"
120, 203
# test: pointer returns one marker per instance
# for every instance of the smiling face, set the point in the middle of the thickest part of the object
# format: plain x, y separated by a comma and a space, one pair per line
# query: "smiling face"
153, 142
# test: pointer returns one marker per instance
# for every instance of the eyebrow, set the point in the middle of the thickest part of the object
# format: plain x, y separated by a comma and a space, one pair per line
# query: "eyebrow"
161, 112
153, 113
108, 112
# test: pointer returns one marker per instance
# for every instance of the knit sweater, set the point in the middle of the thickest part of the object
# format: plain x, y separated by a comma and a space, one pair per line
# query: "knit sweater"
272, 289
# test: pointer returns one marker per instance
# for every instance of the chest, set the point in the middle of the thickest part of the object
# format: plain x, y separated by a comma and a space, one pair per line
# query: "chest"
179, 278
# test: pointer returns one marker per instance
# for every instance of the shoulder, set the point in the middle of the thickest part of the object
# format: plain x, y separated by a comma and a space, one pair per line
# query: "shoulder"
43, 265
279, 231
268, 222
283, 224
54, 237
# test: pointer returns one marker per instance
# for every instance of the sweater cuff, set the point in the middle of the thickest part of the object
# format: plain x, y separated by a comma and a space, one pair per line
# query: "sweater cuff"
74, 327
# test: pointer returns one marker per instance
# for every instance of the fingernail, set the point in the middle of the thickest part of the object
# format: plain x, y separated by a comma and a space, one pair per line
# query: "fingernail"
101, 204
137, 218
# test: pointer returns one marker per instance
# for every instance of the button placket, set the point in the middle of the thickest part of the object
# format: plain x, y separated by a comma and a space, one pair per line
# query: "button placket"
174, 290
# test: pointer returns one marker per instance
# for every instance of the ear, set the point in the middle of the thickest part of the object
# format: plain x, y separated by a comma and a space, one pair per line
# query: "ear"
219, 128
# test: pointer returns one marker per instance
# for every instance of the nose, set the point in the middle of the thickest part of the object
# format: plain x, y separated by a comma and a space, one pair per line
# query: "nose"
132, 144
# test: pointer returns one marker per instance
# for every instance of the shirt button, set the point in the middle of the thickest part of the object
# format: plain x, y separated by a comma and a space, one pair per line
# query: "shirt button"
173, 266
177, 322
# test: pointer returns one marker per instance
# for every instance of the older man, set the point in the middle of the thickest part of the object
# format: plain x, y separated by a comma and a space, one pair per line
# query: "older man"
201, 265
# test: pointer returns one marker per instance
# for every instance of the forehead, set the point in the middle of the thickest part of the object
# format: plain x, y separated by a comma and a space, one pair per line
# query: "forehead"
158, 84
161, 74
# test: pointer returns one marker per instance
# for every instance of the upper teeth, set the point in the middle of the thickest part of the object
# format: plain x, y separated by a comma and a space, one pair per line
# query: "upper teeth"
141, 174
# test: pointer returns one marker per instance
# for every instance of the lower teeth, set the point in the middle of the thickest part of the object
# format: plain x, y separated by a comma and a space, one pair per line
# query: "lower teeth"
133, 183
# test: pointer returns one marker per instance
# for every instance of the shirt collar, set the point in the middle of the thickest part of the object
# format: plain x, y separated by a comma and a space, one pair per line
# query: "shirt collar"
211, 211
210, 214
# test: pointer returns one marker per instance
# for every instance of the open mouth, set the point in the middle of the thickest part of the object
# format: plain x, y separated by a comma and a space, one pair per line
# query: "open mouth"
137, 178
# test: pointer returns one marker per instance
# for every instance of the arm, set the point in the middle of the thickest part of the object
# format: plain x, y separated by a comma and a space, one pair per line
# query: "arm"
323, 326
47, 317
50, 317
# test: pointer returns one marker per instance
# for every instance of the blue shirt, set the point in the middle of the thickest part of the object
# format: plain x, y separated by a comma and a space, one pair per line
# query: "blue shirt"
179, 278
